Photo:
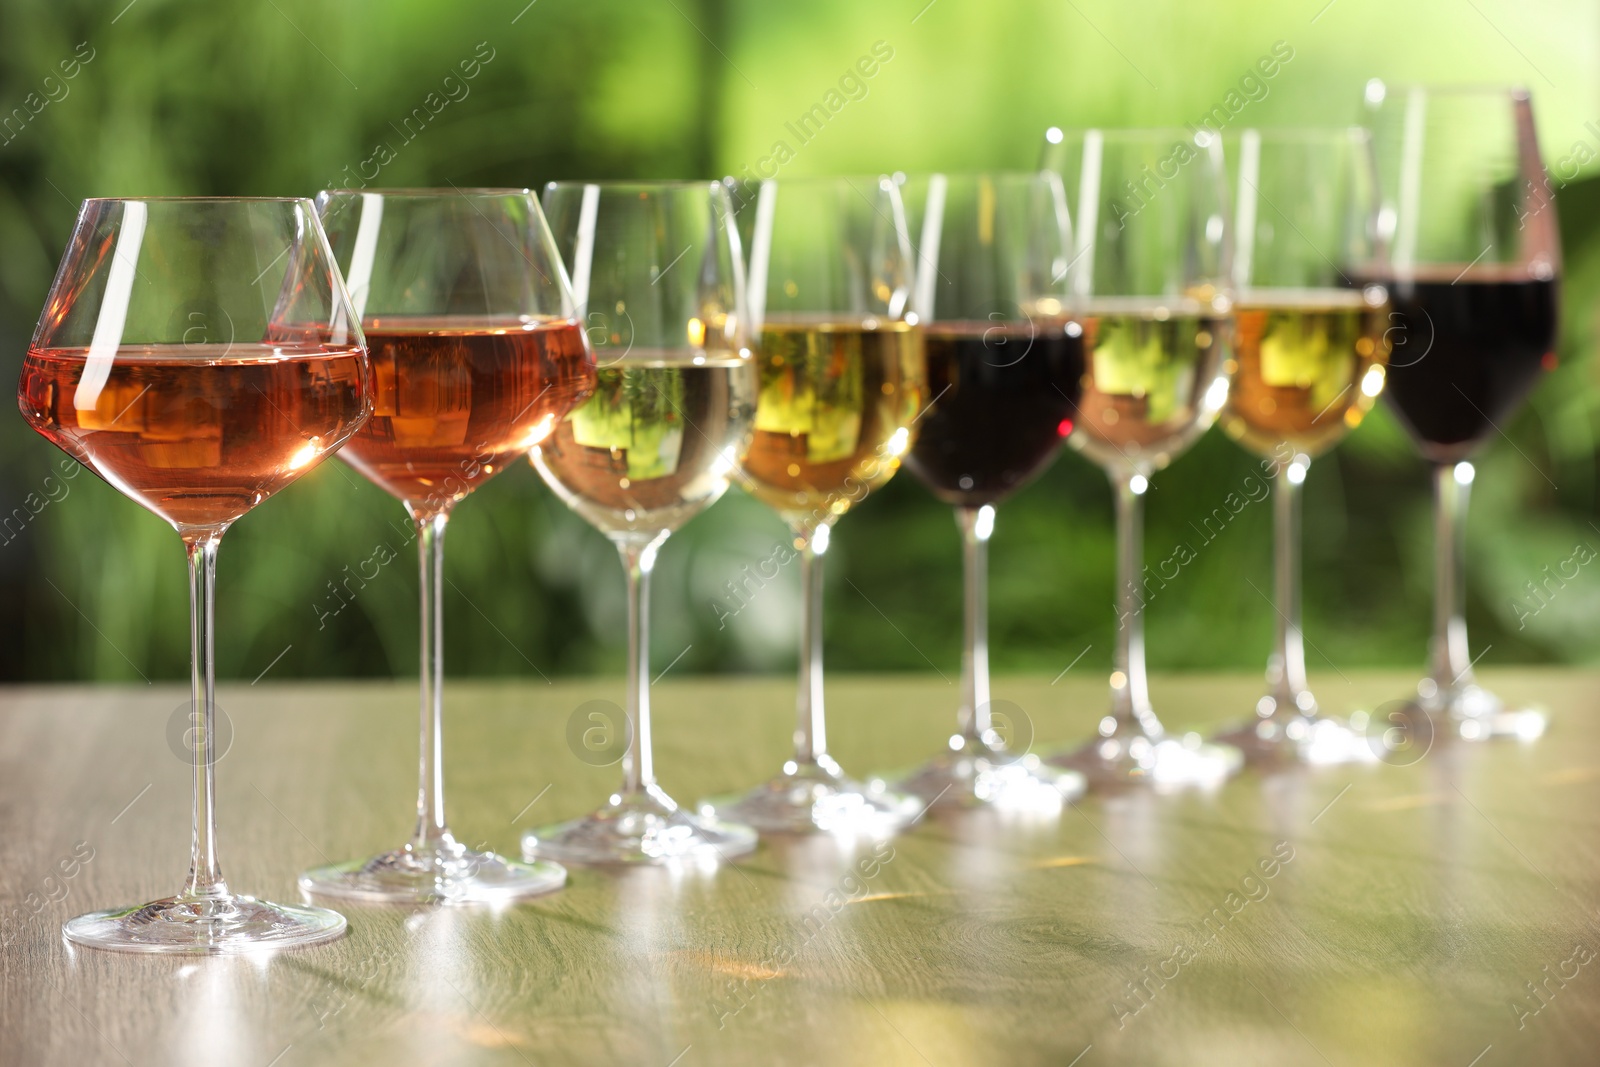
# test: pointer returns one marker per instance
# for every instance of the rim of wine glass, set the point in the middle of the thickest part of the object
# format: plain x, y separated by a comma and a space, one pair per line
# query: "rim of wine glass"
1129, 133
1510, 92
419, 192
197, 199
817, 179
901, 177
629, 185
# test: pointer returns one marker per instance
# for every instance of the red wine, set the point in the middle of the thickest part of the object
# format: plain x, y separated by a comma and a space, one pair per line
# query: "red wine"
1004, 398
1466, 352
199, 434
453, 404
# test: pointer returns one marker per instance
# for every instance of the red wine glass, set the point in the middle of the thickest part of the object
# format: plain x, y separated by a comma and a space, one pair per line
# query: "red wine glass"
1473, 274
1005, 375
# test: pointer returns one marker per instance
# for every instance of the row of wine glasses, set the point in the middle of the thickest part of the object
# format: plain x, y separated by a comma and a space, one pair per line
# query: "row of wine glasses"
1121, 298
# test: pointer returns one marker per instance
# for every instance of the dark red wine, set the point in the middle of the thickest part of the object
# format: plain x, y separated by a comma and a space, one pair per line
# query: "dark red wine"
1004, 398
1465, 352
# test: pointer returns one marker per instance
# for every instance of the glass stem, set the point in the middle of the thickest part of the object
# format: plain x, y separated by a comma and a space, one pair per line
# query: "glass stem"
638, 769
431, 828
810, 731
975, 530
1130, 693
1286, 667
1451, 663
205, 872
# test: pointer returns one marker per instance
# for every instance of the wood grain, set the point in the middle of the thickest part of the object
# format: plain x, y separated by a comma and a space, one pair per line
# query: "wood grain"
1405, 909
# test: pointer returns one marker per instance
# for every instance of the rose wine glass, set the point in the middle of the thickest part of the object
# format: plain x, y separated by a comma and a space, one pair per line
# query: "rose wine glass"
1148, 284
1005, 375
476, 353
1473, 275
658, 275
199, 355
1308, 353
842, 382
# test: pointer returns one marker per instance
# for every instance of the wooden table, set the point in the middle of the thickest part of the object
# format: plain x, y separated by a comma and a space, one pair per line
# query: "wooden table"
1348, 916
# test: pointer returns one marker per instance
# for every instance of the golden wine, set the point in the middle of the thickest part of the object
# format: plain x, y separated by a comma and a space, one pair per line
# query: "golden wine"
1151, 365
654, 446
1309, 364
835, 412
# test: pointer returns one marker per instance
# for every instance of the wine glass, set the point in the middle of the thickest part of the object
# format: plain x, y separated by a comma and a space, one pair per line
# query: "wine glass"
1148, 283
1473, 276
476, 352
842, 383
1005, 374
199, 355
1308, 351
658, 274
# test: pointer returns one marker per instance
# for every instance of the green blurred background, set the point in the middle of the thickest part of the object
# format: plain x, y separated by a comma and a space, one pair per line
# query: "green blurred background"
284, 97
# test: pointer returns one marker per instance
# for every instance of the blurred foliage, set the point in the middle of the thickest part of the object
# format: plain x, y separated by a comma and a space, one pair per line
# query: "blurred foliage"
286, 97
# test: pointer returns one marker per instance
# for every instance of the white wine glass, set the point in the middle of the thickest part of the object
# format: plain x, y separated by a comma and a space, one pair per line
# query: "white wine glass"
658, 274
1148, 283
842, 382
1307, 365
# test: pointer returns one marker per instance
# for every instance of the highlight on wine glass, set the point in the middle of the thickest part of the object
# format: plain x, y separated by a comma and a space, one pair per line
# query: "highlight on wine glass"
1005, 374
1308, 363
1473, 274
477, 352
199, 355
842, 380
658, 276
1149, 284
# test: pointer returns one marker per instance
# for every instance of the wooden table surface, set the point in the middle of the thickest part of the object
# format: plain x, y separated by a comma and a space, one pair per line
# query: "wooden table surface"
1376, 915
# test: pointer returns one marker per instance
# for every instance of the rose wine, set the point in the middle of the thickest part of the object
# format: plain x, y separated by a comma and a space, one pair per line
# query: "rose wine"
1468, 347
452, 404
654, 446
1307, 367
835, 412
1151, 362
199, 434
1003, 399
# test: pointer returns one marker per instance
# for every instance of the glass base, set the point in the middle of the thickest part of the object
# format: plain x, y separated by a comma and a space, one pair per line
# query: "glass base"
1472, 713
816, 797
201, 926
446, 872
975, 774
641, 828
1308, 738
1166, 764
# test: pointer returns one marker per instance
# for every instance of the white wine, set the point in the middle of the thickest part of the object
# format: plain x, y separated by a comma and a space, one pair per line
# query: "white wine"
656, 444
1152, 365
835, 413
1308, 366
